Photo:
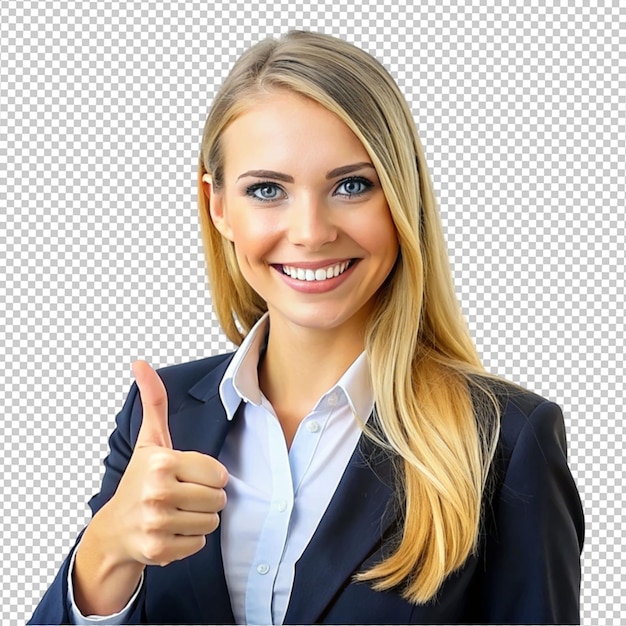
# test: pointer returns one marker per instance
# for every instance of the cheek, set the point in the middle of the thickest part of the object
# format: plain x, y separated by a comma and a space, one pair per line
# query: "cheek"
379, 236
253, 235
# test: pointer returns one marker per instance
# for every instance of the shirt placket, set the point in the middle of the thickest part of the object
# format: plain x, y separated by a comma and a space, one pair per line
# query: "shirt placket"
273, 536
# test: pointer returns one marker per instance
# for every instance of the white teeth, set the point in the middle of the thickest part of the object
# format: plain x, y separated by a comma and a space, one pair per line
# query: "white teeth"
313, 275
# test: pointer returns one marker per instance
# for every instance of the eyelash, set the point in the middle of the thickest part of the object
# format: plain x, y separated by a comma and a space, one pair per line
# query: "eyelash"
252, 189
366, 186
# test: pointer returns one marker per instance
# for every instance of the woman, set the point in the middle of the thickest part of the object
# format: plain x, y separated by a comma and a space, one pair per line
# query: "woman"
352, 462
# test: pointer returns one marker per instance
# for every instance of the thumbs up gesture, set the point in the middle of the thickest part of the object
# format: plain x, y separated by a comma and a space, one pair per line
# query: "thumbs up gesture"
166, 503
167, 500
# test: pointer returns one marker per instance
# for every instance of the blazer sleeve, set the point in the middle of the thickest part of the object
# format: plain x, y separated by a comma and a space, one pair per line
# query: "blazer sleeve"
532, 568
53, 607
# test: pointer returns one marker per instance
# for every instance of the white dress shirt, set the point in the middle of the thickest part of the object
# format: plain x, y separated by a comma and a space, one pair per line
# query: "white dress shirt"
276, 496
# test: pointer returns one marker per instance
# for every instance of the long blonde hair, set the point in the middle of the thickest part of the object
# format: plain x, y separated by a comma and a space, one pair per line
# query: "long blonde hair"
434, 414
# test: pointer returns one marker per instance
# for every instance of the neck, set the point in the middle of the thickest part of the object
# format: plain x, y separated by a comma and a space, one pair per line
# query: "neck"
301, 364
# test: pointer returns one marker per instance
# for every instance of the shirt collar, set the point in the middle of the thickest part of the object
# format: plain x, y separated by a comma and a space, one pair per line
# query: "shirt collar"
241, 380
356, 384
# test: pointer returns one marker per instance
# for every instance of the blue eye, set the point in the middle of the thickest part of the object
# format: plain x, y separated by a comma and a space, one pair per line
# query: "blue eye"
265, 192
353, 186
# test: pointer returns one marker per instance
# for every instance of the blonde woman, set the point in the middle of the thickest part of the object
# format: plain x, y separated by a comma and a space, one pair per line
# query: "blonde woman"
351, 462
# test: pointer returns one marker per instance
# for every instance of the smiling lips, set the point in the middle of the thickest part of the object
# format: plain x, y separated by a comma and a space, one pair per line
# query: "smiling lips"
318, 274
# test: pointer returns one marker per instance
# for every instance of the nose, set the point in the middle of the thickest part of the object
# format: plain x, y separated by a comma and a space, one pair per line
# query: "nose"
311, 223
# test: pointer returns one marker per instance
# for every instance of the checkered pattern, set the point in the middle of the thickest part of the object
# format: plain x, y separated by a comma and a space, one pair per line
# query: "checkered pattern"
521, 107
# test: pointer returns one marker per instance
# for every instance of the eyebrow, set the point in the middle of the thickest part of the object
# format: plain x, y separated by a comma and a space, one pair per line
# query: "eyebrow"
338, 171
348, 169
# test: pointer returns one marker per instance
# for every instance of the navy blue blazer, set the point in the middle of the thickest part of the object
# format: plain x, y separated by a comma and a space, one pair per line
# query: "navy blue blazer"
526, 570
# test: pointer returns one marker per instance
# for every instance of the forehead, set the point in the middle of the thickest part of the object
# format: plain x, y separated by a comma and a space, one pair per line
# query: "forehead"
287, 130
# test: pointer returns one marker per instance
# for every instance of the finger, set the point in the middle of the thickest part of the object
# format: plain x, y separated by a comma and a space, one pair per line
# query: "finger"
198, 498
201, 469
192, 524
168, 548
154, 427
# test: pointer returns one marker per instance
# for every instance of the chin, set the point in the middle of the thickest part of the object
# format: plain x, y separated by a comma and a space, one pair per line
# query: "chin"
323, 318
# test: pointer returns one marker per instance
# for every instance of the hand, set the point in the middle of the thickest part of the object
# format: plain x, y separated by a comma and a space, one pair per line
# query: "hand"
165, 504
167, 500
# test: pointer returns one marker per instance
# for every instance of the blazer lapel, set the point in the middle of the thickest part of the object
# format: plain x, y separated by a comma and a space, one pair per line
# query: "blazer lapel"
359, 514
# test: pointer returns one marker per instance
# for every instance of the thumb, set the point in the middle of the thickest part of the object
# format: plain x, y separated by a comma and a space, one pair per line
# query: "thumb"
154, 429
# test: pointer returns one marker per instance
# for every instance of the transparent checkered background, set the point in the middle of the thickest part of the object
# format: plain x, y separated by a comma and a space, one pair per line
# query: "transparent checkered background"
522, 111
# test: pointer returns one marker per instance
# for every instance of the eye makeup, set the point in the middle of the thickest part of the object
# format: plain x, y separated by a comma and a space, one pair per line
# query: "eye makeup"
270, 191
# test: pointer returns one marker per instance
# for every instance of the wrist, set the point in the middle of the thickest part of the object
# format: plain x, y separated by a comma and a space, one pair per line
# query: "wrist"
104, 577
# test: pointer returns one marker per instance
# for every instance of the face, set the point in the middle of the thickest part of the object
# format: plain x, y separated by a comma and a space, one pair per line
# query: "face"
303, 205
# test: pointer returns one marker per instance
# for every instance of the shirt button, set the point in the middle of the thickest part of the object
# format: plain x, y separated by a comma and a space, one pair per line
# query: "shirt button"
312, 427
282, 506
333, 398
263, 568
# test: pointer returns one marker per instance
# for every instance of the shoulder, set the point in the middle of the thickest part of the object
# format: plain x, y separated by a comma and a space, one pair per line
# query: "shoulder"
531, 419
519, 409
530, 475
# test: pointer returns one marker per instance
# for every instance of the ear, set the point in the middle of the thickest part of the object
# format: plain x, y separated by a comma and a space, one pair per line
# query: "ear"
215, 201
